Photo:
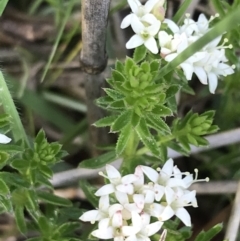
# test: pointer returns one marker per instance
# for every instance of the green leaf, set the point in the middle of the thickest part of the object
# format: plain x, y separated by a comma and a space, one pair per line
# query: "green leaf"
172, 90
100, 161
117, 105
40, 137
45, 226
181, 11
106, 121
139, 53
119, 66
3, 158
20, 220
89, 191
3, 188
129, 63
162, 110
122, 121
155, 65
184, 142
123, 139
68, 228
158, 124
20, 164
117, 76
50, 198
114, 94
135, 119
147, 139
45, 170
207, 236
3, 4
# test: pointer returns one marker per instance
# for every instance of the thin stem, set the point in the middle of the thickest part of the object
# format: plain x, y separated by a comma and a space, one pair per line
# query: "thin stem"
10, 109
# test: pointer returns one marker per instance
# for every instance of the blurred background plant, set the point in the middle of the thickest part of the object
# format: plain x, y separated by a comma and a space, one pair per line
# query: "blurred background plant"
39, 53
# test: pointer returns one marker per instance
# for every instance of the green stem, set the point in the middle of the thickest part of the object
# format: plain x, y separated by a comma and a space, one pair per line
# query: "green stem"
163, 140
130, 150
10, 109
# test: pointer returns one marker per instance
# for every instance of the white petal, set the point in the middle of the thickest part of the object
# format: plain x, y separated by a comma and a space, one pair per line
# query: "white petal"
188, 197
126, 22
134, 42
112, 172
125, 188
201, 74
149, 5
118, 238
104, 223
115, 208
171, 57
121, 197
105, 190
136, 221
117, 219
173, 26
4, 139
145, 219
104, 202
134, 5
137, 25
159, 192
153, 228
167, 168
166, 214
149, 18
132, 238
132, 207
150, 173
139, 200
130, 178
156, 210
154, 28
212, 81
149, 196
107, 233
164, 38
183, 215
140, 177
90, 216
151, 44
188, 70
188, 180
176, 182
129, 230
170, 195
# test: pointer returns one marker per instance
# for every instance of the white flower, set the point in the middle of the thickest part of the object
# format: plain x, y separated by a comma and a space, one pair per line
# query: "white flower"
4, 139
138, 10
144, 34
176, 200
97, 215
107, 231
141, 228
169, 43
119, 185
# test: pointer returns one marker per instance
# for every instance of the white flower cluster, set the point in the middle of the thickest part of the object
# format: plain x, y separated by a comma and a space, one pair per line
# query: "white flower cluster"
208, 64
145, 23
127, 203
4, 139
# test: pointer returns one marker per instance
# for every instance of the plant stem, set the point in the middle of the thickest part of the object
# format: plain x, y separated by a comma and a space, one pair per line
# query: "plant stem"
10, 109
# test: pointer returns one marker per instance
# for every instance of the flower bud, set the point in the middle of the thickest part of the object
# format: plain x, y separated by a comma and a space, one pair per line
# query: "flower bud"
159, 10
